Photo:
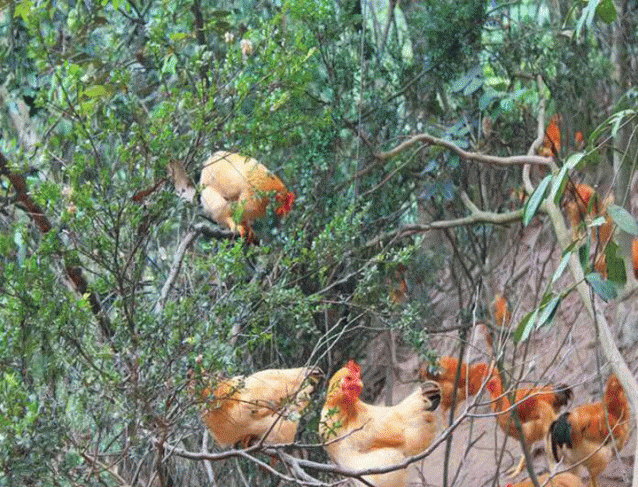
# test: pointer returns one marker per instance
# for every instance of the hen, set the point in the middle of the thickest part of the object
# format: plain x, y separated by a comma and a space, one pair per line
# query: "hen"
536, 408
238, 186
470, 379
584, 203
551, 141
267, 404
590, 433
564, 479
359, 435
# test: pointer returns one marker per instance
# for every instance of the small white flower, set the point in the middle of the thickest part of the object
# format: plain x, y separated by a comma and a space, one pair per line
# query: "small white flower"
246, 47
229, 37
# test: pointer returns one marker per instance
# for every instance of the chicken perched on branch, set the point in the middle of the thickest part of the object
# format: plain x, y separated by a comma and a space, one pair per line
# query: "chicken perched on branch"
238, 188
470, 379
551, 141
536, 408
359, 435
267, 404
590, 433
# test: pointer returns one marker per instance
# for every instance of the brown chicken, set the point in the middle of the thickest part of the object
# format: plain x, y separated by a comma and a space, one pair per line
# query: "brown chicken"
444, 374
551, 141
237, 188
267, 404
584, 204
502, 313
564, 479
535, 407
359, 435
590, 433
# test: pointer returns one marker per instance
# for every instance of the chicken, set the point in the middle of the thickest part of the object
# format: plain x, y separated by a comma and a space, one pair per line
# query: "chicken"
579, 141
267, 404
470, 379
236, 188
590, 433
564, 479
536, 409
359, 435
551, 141
502, 313
586, 202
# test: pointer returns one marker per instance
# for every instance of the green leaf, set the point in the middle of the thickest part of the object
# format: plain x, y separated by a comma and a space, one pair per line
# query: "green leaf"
559, 183
548, 310
96, 91
525, 327
474, 85
561, 266
616, 272
606, 10
583, 255
535, 200
605, 289
22, 9
625, 221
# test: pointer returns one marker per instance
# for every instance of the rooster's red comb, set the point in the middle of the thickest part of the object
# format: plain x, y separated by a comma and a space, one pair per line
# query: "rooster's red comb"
353, 367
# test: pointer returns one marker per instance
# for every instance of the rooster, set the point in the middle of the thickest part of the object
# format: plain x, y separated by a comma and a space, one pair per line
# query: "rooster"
536, 409
237, 188
265, 405
470, 379
359, 435
564, 479
590, 433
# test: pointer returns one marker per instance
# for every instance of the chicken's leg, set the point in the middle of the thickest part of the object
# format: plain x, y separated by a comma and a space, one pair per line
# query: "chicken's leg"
519, 468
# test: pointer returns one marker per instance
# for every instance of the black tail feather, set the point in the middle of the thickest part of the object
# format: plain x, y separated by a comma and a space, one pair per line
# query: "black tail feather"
560, 433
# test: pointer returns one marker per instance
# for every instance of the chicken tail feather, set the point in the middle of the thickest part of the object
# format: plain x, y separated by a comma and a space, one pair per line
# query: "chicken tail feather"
560, 433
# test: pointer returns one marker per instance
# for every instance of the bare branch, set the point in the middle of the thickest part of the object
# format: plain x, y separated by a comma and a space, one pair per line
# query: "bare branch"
476, 216
475, 156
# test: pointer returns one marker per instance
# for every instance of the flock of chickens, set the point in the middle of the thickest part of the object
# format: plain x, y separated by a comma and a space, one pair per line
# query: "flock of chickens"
266, 407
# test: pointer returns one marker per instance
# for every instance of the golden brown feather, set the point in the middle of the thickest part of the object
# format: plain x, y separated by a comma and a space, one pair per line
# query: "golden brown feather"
590, 433
233, 185
361, 435
243, 409
536, 408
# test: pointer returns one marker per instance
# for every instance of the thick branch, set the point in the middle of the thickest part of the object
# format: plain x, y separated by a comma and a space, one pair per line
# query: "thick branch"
476, 216
475, 156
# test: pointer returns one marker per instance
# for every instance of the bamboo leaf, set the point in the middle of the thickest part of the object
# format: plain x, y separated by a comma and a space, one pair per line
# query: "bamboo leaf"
535, 200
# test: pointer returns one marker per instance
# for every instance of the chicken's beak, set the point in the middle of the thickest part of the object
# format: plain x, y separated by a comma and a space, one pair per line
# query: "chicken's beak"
316, 374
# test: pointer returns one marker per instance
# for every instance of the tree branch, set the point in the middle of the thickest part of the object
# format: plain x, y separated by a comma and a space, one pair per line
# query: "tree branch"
463, 154
73, 273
